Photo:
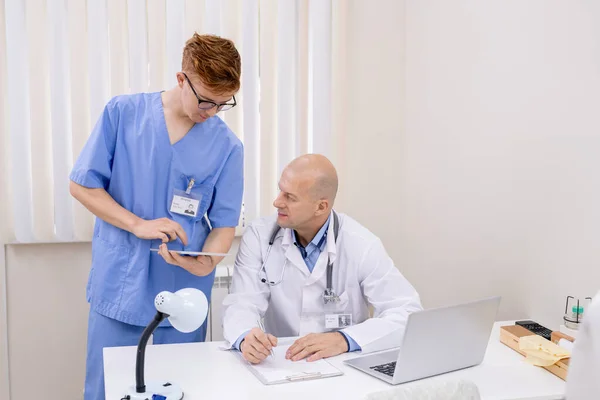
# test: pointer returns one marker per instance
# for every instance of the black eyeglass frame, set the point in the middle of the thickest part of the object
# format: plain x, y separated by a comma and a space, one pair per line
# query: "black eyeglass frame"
210, 104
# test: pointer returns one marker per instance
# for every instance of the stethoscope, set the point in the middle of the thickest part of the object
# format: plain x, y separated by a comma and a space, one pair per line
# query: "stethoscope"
329, 295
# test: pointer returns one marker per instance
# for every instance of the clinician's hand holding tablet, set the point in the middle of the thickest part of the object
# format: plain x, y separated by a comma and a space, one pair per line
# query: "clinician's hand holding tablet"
195, 253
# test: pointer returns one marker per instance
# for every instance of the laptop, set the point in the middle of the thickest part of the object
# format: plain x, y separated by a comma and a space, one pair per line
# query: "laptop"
435, 341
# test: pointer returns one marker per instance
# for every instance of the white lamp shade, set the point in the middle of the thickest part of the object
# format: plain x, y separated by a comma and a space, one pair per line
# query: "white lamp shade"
187, 308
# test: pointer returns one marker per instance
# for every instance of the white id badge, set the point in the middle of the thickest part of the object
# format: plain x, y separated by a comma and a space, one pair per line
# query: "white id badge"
338, 321
185, 204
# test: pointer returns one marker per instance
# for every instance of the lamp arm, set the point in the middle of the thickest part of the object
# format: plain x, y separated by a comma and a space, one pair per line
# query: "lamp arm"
140, 386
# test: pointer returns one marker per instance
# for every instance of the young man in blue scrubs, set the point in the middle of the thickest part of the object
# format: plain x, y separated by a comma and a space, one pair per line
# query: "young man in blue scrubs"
160, 170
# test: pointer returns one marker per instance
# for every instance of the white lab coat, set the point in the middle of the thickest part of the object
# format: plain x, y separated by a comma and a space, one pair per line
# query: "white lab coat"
363, 275
583, 379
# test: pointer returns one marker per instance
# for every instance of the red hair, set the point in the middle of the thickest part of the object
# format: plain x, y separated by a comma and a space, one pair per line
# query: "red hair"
215, 60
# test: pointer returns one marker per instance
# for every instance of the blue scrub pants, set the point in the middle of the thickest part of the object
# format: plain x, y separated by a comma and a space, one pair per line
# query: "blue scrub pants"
107, 332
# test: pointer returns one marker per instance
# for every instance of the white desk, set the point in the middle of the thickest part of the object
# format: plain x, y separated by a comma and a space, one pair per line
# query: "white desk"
205, 372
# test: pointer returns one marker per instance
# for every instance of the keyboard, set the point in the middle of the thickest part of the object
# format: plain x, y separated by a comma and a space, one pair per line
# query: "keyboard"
387, 369
536, 328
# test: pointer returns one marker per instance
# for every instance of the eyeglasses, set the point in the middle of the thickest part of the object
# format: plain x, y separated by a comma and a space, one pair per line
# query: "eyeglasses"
207, 104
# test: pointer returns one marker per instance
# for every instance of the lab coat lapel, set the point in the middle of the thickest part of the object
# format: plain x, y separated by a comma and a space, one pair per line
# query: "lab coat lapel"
292, 253
330, 251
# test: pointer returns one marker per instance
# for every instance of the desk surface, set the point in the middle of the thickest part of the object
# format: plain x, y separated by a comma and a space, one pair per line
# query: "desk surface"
206, 372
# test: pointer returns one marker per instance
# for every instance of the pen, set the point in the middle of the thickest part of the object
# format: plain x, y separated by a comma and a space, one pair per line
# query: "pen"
262, 328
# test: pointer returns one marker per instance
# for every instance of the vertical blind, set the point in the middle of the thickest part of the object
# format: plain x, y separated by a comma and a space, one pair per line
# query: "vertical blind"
62, 60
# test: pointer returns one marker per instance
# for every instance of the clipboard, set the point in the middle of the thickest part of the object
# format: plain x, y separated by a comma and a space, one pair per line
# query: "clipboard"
195, 253
276, 369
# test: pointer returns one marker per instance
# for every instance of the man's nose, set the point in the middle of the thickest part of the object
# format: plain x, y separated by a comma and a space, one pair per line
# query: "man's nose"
213, 111
278, 203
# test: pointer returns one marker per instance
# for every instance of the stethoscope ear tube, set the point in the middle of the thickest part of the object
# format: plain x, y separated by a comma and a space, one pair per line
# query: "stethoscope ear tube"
276, 229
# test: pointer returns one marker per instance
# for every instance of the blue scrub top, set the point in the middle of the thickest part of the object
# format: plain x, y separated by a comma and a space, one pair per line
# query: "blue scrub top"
129, 154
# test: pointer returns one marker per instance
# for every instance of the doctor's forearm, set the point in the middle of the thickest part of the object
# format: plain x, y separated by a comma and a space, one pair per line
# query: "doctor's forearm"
103, 206
219, 240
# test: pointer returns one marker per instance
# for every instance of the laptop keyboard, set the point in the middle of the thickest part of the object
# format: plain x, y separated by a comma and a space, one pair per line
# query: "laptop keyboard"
387, 369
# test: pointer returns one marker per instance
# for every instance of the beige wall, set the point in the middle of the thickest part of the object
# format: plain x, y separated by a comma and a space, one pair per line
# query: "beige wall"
47, 319
500, 151
4, 377
471, 146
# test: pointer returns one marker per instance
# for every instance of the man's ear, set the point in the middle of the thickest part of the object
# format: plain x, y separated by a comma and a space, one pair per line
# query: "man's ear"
180, 79
322, 207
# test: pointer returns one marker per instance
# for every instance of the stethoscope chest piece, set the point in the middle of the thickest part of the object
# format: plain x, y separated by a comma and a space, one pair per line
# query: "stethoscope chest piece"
329, 297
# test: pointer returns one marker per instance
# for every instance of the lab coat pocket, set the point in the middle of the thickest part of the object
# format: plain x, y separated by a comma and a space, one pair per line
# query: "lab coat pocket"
340, 306
110, 263
318, 321
338, 315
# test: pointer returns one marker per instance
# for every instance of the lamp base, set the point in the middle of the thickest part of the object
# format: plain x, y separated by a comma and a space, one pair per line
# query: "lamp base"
156, 391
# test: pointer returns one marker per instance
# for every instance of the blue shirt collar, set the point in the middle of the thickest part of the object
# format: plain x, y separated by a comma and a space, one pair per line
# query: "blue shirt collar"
319, 238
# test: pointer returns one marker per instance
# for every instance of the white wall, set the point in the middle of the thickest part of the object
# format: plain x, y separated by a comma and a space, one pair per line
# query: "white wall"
486, 181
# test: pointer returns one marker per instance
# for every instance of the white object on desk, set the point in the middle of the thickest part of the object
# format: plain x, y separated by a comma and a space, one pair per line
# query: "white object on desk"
206, 372
569, 331
186, 310
449, 390
423, 353
276, 369
566, 344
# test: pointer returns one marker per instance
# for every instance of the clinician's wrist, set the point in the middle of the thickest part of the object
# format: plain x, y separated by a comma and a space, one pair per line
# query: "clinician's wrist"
212, 261
207, 259
345, 345
133, 222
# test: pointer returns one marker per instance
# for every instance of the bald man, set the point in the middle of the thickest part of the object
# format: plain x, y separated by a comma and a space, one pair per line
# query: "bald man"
311, 273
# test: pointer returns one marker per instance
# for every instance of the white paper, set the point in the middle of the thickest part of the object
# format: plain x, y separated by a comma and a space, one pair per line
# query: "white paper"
276, 368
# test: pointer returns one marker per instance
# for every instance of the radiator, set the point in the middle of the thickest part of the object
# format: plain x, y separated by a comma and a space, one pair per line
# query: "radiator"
214, 331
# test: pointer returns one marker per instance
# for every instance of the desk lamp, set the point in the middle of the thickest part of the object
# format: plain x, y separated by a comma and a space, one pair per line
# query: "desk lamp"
186, 310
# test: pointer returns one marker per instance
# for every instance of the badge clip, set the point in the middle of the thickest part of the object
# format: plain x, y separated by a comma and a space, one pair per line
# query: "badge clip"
190, 186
